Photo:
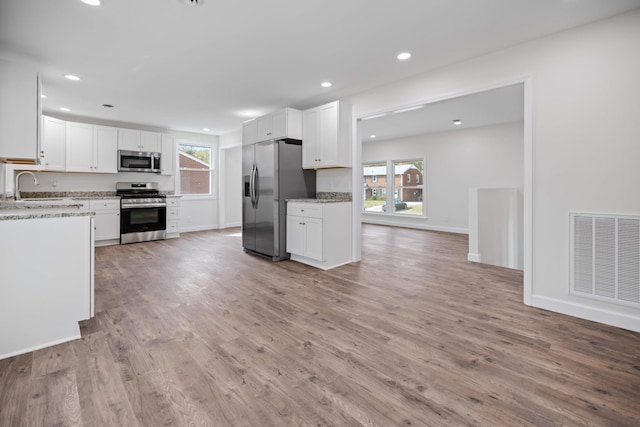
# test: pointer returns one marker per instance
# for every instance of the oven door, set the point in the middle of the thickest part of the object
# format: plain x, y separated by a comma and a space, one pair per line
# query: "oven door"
141, 219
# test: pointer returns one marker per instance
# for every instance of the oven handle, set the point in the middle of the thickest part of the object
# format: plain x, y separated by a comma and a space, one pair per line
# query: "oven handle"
142, 206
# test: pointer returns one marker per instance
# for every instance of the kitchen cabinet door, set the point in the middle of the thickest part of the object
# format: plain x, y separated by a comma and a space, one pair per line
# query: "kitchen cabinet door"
249, 132
168, 157
150, 141
326, 141
129, 139
265, 127
53, 151
20, 111
295, 235
105, 149
79, 147
313, 238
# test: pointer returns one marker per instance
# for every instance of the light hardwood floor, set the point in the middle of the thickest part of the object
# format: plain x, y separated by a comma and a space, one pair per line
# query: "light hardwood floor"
194, 332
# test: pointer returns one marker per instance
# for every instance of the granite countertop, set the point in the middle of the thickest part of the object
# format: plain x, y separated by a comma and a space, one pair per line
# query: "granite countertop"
325, 197
317, 201
46, 208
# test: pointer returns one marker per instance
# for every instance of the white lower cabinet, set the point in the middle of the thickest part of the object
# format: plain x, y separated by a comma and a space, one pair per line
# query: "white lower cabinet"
319, 234
173, 216
106, 221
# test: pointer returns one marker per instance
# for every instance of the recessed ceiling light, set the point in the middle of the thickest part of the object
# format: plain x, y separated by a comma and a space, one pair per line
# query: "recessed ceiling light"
64, 109
404, 110
248, 113
72, 77
192, 2
42, 95
92, 2
372, 136
457, 122
326, 84
404, 56
206, 129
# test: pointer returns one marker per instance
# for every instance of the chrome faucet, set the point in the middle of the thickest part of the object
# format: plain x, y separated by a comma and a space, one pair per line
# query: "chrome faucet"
17, 189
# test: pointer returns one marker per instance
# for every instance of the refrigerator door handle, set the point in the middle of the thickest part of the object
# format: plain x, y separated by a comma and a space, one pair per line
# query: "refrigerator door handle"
252, 188
256, 186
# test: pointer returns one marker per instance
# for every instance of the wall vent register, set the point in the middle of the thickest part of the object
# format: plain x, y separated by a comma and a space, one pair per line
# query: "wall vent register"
605, 257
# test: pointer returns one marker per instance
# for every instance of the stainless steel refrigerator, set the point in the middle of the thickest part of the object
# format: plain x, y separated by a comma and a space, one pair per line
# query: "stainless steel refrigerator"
272, 172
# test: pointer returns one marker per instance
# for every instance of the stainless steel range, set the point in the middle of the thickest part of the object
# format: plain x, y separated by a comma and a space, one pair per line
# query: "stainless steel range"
143, 212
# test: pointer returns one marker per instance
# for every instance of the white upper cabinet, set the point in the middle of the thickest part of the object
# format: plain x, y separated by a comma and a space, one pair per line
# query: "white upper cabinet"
137, 140
249, 132
326, 140
105, 149
285, 123
53, 151
168, 157
91, 148
19, 111
150, 141
79, 147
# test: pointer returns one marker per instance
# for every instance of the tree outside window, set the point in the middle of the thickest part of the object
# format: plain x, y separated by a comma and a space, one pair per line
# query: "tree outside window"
195, 163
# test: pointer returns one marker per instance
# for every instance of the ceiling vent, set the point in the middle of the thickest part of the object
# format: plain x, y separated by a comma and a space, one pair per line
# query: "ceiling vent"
192, 2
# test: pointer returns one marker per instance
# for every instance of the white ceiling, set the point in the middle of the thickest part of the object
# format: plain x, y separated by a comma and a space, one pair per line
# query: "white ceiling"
492, 107
165, 64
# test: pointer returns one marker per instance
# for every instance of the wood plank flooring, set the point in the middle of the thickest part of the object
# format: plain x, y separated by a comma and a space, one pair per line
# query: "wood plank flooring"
194, 332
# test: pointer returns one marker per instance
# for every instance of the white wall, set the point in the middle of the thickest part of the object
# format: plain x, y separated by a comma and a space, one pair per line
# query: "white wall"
231, 179
586, 130
490, 156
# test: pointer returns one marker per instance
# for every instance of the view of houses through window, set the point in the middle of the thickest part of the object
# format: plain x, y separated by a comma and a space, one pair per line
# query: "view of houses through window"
195, 169
406, 184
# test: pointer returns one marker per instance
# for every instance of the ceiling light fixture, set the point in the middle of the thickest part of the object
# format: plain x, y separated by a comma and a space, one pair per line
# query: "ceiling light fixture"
206, 129
372, 136
404, 56
374, 116
72, 77
326, 84
107, 105
92, 2
457, 122
404, 110
64, 109
191, 2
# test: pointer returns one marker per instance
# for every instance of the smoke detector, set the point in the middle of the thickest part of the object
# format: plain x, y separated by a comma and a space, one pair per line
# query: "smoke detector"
192, 2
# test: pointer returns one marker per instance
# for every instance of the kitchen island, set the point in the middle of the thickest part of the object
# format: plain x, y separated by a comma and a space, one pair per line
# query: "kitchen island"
46, 274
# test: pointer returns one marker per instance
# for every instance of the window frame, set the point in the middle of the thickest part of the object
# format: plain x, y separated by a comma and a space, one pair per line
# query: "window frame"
391, 191
212, 195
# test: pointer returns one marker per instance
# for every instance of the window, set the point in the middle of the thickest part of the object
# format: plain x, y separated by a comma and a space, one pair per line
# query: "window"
409, 200
196, 169
404, 184
374, 188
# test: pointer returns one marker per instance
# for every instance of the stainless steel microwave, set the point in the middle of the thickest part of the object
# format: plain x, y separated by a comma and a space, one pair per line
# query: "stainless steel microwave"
136, 161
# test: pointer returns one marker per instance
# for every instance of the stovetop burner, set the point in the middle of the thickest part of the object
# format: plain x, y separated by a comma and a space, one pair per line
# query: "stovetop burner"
138, 190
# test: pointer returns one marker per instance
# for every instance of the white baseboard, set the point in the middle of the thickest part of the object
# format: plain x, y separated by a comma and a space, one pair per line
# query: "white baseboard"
41, 346
411, 224
582, 311
199, 228
232, 224
473, 257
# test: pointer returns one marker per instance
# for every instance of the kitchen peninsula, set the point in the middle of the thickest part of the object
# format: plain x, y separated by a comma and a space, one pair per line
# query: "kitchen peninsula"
46, 273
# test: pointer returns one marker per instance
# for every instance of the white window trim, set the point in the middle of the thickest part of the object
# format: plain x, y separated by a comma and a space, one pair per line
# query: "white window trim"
213, 171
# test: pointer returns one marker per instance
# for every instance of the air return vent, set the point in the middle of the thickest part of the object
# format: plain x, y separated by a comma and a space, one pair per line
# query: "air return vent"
605, 257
